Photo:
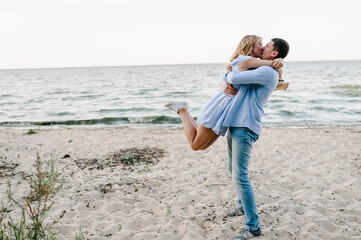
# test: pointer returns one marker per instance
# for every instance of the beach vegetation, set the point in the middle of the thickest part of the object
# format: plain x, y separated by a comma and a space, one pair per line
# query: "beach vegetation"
80, 235
131, 156
128, 157
146, 168
30, 132
169, 210
25, 217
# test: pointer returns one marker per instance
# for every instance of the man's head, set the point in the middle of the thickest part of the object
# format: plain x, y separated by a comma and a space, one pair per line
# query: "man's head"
276, 48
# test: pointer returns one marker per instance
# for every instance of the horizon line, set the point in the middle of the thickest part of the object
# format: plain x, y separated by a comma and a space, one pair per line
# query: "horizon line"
170, 64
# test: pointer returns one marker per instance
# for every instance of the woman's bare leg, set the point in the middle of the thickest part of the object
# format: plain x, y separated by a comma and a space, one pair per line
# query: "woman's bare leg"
210, 142
189, 126
197, 136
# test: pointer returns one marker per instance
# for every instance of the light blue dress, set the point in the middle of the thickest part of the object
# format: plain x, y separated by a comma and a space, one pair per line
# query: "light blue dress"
213, 113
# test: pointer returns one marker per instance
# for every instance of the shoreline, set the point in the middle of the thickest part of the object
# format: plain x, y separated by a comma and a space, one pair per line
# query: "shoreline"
306, 183
166, 126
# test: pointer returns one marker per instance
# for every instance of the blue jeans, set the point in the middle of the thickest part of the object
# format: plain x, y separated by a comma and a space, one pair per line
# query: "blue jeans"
240, 142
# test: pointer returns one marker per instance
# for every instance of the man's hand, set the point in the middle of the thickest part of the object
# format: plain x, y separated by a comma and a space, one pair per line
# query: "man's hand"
278, 63
228, 89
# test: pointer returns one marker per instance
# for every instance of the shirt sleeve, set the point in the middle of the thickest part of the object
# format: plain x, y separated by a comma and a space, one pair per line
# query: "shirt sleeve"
262, 76
238, 61
225, 76
235, 63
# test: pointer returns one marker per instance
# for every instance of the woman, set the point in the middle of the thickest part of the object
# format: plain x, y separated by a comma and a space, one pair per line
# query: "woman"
202, 135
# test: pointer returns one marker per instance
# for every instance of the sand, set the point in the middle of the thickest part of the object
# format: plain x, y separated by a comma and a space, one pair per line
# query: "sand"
307, 183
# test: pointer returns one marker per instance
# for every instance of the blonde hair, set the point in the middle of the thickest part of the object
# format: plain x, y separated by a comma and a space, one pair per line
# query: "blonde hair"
245, 47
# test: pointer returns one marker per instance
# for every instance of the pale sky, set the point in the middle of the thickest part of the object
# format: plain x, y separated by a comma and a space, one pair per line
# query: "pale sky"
80, 33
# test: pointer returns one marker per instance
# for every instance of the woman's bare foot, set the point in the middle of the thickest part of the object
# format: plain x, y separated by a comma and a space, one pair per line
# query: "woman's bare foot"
175, 106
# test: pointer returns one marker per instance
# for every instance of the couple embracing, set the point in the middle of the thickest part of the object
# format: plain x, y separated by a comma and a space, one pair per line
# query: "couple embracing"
238, 108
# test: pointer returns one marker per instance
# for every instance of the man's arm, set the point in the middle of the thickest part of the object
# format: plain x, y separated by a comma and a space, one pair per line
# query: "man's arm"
262, 76
228, 89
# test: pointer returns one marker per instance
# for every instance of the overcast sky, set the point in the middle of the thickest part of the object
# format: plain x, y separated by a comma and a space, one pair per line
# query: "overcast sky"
77, 33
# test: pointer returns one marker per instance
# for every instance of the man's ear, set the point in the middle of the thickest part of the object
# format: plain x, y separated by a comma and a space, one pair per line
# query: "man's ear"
274, 54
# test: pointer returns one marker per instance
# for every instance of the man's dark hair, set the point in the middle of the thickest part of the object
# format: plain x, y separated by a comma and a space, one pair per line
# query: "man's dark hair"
281, 46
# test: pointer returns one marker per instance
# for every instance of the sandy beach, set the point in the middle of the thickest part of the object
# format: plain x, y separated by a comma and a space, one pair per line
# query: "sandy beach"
307, 183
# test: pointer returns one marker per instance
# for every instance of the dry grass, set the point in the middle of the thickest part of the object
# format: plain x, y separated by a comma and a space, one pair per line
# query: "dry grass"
129, 156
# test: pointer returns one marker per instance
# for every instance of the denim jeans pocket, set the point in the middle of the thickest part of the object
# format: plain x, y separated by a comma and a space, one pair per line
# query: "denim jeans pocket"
251, 137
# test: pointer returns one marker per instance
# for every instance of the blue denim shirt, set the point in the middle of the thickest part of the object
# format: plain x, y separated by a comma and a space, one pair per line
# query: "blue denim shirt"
256, 87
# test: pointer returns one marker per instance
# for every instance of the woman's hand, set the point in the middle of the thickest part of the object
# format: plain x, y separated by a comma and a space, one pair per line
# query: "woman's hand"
228, 89
278, 63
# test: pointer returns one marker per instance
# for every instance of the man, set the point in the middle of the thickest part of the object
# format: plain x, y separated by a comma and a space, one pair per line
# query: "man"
244, 122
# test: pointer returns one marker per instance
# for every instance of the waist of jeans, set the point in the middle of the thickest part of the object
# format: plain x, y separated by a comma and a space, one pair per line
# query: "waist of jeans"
244, 129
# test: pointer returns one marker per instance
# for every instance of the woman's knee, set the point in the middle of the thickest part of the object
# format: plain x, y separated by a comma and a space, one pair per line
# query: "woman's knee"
196, 147
204, 148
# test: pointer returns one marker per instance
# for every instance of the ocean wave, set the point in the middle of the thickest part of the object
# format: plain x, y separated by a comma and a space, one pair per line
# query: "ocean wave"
59, 114
347, 90
8, 103
109, 110
287, 113
102, 121
347, 86
83, 97
154, 120
348, 93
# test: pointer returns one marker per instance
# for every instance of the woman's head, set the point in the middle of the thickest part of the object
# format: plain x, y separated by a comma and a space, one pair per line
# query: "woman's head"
247, 44
250, 45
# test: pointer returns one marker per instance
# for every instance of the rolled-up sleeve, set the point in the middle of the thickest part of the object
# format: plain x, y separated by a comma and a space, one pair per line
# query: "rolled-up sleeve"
262, 75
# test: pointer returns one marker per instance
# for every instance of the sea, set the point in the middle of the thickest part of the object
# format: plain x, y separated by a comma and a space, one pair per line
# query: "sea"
320, 94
